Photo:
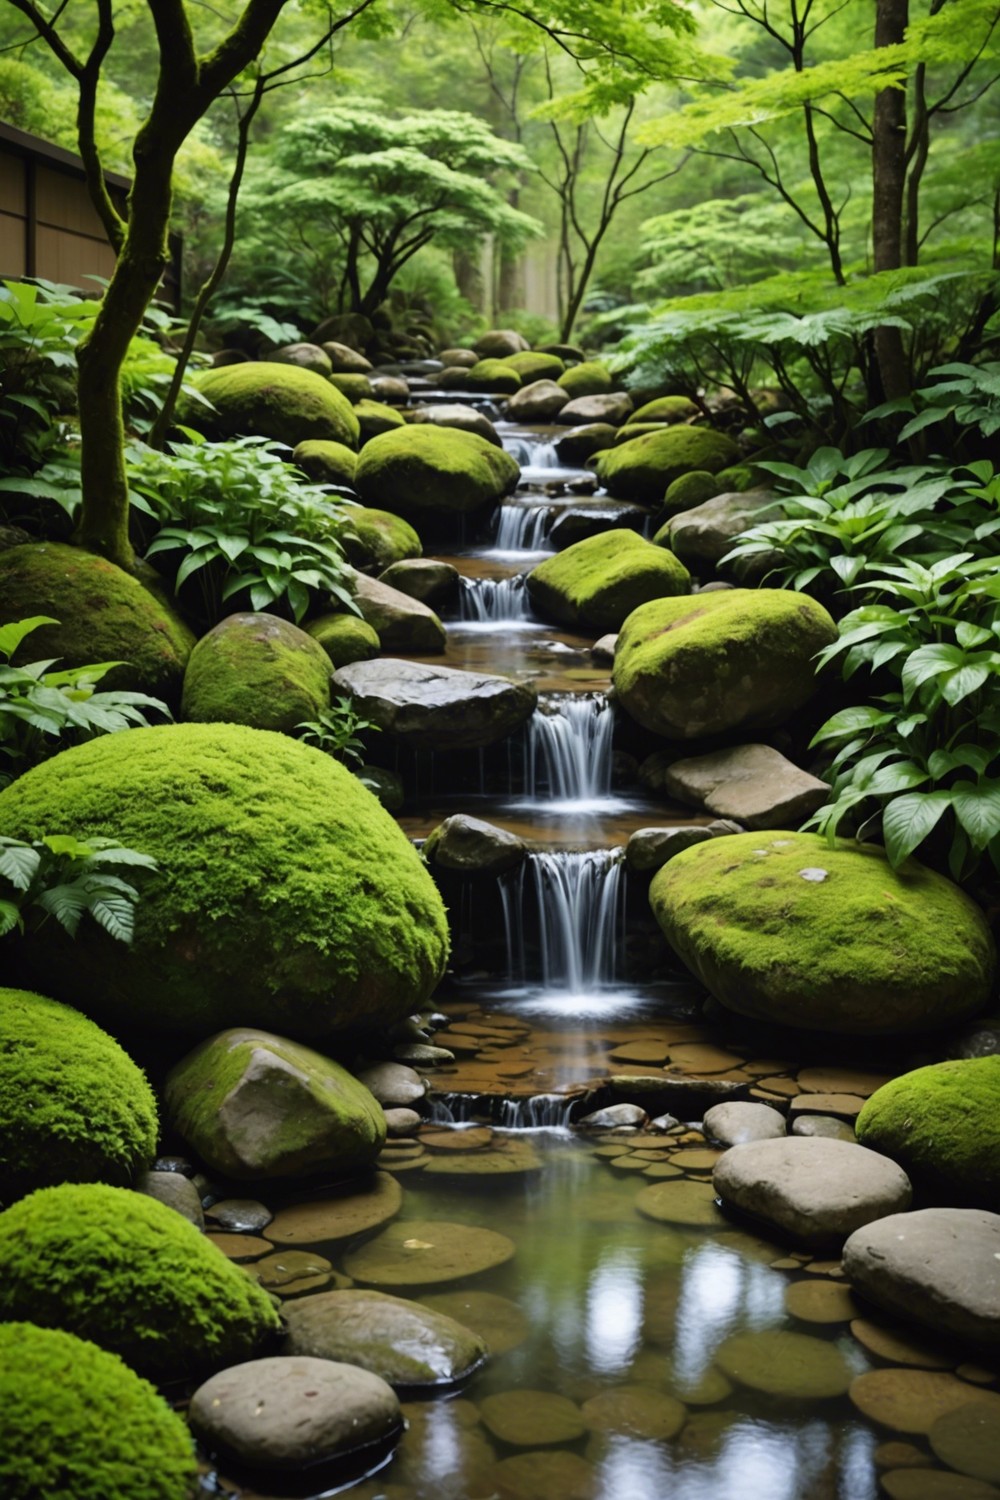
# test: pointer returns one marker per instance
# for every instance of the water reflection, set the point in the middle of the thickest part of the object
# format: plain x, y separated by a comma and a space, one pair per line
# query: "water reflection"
614, 1314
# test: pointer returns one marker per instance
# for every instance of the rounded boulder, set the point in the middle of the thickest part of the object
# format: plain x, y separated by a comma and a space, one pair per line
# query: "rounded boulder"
272, 400
421, 470
259, 670
401, 1341
642, 468
598, 582
345, 638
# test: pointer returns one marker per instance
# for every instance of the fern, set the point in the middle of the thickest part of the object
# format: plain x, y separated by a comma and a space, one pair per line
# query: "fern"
64, 878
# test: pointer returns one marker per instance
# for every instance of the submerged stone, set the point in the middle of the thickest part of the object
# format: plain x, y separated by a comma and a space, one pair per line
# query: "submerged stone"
681, 1202
421, 1252
404, 1342
339, 1215
639, 1411
502, 1324
793, 1365
532, 1419
913, 1400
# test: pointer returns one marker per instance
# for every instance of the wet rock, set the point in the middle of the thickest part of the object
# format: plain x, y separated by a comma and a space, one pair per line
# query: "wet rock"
663, 1123
651, 848
346, 361
393, 1085
813, 1300
581, 521
614, 1115
422, 1055
826, 1126
936, 1267
462, 418
583, 442
241, 1215
544, 1474
752, 784
736, 1123
294, 1412
421, 1252
286, 1268
402, 1122
403, 1342
532, 1419
436, 708
500, 343
680, 1202
401, 623
968, 1440
979, 1039
340, 1214
176, 1191
612, 408
392, 389
499, 1322
780, 1363
603, 651
473, 847
705, 533
538, 402
422, 578
686, 1097
818, 1191
913, 1400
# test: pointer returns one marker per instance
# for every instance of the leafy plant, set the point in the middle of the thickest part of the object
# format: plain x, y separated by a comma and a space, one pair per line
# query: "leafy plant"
968, 393
42, 711
336, 733
65, 878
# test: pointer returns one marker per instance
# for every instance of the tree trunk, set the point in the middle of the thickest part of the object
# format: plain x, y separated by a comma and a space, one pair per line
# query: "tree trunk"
469, 278
888, 194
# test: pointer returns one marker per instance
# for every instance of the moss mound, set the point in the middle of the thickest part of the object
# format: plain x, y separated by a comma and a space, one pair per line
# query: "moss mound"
783, 927
133, 1276
73, 1106
599, 581
491, 375
379, 538
942, 1125
286, 897
738, 478
636, 429
533, 366
590, 378
643, 468
258, 670
421, 470
735, 659
690, 490
78, 1424
274, 401
376, 417
104, 614
354, 386
666, 409
345, 638
326, 463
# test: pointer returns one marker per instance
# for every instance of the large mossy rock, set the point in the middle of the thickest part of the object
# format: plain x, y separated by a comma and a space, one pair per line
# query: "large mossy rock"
402, 623
255, 1105
436, 708
733, 659
345, 638
325, 462
590, 378
133, 1276
784, 927
492, 376
598, 582
257, 670
285, 897
667, 409
78, 1424
643, 468
531, 365
73, 1106
103, 614
272, 400
942, 1123
428, 470
377, 538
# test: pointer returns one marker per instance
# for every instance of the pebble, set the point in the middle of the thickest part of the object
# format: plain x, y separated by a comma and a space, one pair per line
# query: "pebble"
402, 1122
242, 1215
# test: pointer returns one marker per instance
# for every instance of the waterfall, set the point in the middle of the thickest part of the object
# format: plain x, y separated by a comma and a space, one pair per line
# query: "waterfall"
539, 1112
495, 599
523, 528
568, 747
575, 903
531, 453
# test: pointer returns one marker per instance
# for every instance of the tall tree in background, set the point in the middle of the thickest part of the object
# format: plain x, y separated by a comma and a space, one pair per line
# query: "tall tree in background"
889, 192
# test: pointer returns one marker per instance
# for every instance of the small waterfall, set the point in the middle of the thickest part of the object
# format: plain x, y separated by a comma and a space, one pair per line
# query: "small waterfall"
540, 1112
568, 747
524, 528
495, 599
573, 904
531, 453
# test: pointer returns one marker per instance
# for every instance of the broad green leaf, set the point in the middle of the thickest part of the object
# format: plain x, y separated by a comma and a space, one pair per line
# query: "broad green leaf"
977, 808
908, 820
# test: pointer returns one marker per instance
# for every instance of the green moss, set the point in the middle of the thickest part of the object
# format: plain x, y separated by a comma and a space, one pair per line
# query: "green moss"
785, 927
133, 1276
491, 375
257, 670
942, 1124
104, 614
376, 417
666, 409
286, 897
78, 1424
326, 463
737, 658
635, 429
421, 470
379, 538
590, 378
355, 387
271, 400
691, 489
642, 469
531, 366
73, 1106
345, 638
736, 479
601, 580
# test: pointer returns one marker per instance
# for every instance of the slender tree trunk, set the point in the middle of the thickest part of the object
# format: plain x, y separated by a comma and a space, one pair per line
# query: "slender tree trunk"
469, 277
888, 194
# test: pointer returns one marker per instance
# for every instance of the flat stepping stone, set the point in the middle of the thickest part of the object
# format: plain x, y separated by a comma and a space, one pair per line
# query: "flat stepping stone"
457, 1140
240, 1215
497, 1320
793, 1365
542, 1476
901, 1455
823, 1125
935, 1484
844, 1106
659, 1171
739, 1121
679, 1203
968, 1439
913, 1400
896, 1346
840, 1081
240, 1247
700, 1159
420, 1252
694, 1057
818, 1191
507, 1157
710, 1387
638, 1411
293, 1413
821, 1302
532, 1419
938, 1267
404, 1342
286, 1266
339, 1215
641, 1053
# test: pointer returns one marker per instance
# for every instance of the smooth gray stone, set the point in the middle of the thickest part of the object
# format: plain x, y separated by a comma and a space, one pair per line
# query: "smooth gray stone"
394, 1085
650, 848
614, 1114
175, 1191
436, 708
400, 1123
241, 1215
752, 784
473, 847
401, 1341
823, 1125
735, 1123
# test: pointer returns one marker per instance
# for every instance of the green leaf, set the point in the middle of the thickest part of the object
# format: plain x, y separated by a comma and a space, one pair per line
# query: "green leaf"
18, 863
907, 821
977, 808
13, 634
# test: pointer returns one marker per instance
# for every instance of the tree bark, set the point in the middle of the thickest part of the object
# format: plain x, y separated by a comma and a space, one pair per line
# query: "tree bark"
888, 194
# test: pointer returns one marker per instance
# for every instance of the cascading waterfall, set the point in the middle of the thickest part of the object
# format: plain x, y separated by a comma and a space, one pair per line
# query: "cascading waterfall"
530, 453
494, 599
524, 528
539, 1112
568, 748
575, 902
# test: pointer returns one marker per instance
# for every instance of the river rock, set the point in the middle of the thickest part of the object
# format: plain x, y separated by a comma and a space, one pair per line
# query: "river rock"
578, 522
346, 361
473, 847
423, 578
788, 928
400, 1123
613, 1116
294, 1412
306, 356
436, 708
538, 402
176, 1191
424, 471
719, 662
500, 343
255, 1105
458, 358
936, 1267
650, 848
603, 650
736, 1123
401, 623
401, 1341
827, 1126
704, 534
393, 390
598, 582
817, 1191
611, 407
455, 414
642, 468
581, 443
393, 1085
258, 670
754, 784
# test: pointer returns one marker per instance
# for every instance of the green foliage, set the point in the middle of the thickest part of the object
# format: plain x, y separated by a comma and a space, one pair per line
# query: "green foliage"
41, 711
968, 394
67, 878
336, 733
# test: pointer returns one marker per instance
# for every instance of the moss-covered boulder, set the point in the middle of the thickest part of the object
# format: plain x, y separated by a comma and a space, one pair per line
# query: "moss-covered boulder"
355, 387
596, 583
326, 463
131, 1274
376, 538
581, 443
285, 898
942, 1124
403, 624
305, 356
590, 378
257, 670
73, 1106
643, 468
424, 471
531, 365
376, 417
255, 1105
271, 400
783, 927
103, 614
691, 489
345, 638
490, 376
734, 659
78, 1424
666, 409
